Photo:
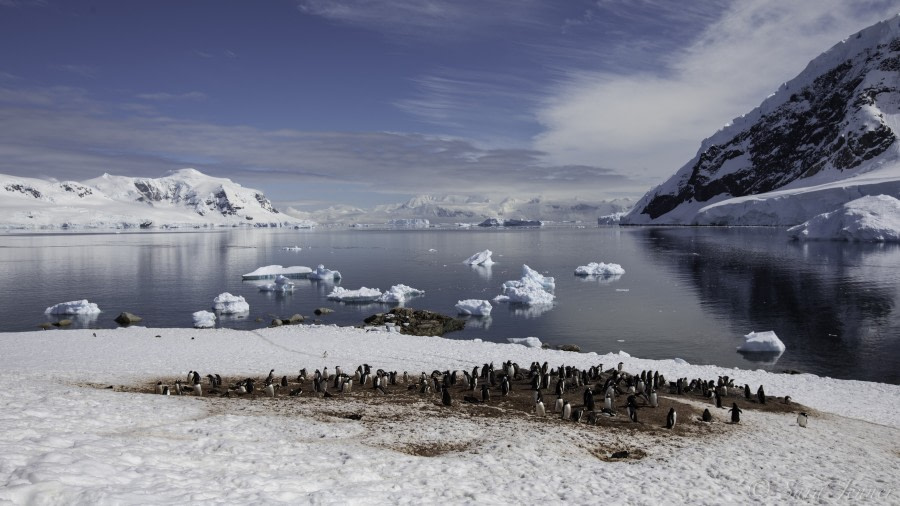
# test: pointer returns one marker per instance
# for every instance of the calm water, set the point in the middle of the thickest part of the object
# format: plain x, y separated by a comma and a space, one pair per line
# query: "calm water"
688, 293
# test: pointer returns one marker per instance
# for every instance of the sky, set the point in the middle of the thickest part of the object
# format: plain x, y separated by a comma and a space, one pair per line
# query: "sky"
365, 102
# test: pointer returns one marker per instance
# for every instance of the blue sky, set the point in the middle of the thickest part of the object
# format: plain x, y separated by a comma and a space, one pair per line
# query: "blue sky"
362, 102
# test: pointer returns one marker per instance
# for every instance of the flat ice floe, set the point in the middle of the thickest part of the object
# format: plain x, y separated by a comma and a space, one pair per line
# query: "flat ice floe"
530, 342
870, 219
281, 285
532, 289
225, 303
73, 307
474, 307
270, 271
480, 258
397, 294
600, 269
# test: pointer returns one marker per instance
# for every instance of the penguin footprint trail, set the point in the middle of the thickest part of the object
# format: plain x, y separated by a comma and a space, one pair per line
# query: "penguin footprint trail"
593, 398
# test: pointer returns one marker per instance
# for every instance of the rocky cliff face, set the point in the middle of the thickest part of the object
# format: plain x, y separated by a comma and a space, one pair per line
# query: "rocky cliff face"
831, 122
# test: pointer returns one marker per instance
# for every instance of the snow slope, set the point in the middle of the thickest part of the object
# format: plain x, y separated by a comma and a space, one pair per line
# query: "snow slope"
183, 198
64, 442
828, 136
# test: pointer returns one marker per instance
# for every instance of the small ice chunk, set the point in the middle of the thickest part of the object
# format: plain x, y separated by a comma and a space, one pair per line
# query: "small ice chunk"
323, 274
480, 258
270, 271
600, 269
766, 342
281, 285
73, 307
530, 342
226, 303
398, 294
204, 320
292, 248
474, 307
432, 250
531, 289
362, 295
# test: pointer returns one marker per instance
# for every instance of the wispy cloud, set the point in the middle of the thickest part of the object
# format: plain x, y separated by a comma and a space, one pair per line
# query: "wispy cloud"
654, 118
168, 97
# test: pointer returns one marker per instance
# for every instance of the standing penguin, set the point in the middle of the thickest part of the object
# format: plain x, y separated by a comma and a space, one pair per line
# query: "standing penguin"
558, 407
539, 409
159, 387
735, 413
632, 413
485, 392
654, 399
589, 399
746, 391
504, 386
620, 366
270, 390
761, 395
165, 391
445, 397
198, 390
271, 377
802, 419
284, 381
566, 411
707, 416
718, 399
670, 418
608, 403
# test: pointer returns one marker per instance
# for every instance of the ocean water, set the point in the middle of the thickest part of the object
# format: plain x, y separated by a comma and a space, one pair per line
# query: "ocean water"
690, 293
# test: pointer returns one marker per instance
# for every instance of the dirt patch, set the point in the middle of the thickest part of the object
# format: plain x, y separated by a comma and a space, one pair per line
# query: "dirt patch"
430, 449
618, 454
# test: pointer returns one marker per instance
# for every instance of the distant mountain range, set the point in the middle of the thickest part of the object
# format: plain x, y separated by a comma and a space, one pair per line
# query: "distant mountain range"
183, 198
824, 138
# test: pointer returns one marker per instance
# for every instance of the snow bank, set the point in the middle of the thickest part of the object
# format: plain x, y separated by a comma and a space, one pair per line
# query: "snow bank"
531, 289
204, 320
323, 274
600, 269
270, 271
73, 307
870, 218
530, 342
281, 285
226, 303
762, 342
362, 295
480, 258
474, 307
398, 294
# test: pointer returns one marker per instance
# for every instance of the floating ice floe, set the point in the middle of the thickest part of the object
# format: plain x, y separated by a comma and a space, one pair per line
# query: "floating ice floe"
292, 248
762, 342
226, 303
531, 342
871, 218
73, 307
281, 285
474, 307
270, 271
480, 258
600, 270
323, 274
362, 295
399, 294
204, 320
531, 289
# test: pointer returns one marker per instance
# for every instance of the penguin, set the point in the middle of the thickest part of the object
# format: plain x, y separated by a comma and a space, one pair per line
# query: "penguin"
165, 391
707, 416
198, 390
558, 407
589, 399
539, 409
405, 377
270, 390
735, 413
747, 392
302, 376
671, 417
284, 381
159, 387
445, 397
196, 378
566, 411
249, 384
485, 392
761, 395
296, 392
560, 387
608, 403
802, 418
504, 386
718, 399
654, 399
787, 399
211, 379
348, 385
577, 415
620, 366
632, 413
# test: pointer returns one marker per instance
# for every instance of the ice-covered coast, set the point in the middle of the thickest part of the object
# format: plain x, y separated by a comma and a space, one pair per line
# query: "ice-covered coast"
69, 439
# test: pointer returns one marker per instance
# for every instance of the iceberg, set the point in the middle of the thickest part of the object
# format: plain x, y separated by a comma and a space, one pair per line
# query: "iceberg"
323, 274
530, 342
281, 285
480, 258
226, 303
73, 307
362, 295
871, 218
204, 320
762, 342
531, 289
600, 270
270, 271
474, 307
399, 294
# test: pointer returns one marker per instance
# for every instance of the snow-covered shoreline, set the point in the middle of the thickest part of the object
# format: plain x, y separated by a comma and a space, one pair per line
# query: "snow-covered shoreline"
67, 443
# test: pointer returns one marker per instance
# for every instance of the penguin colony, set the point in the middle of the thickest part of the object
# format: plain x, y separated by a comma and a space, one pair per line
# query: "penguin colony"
627, 398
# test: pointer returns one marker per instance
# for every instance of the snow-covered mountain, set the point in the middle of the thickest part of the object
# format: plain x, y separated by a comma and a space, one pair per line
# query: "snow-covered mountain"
183, 198
462, 209
826, 137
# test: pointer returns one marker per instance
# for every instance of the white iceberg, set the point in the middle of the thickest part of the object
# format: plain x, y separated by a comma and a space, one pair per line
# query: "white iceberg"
74, 307
362, 295
292, 248
270, 271
323, 274
600, 270
531, 289
480, 258
281, 285
762, 342
870, 218
530, 342
474, 307
398, 294
226, 303
204, 320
